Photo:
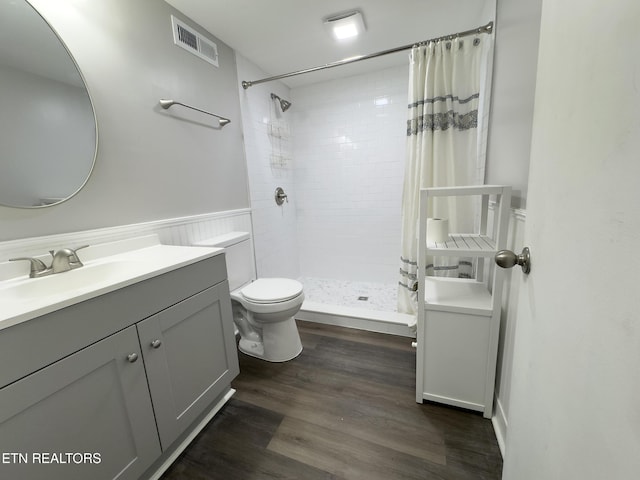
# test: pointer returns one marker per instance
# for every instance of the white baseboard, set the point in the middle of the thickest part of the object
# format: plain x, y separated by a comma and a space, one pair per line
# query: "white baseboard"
499, 421
194, 433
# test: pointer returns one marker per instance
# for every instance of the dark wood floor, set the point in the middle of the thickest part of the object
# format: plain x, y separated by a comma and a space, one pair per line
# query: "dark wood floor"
344, 409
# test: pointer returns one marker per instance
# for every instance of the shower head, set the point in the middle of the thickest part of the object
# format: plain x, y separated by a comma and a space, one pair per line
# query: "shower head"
284, 104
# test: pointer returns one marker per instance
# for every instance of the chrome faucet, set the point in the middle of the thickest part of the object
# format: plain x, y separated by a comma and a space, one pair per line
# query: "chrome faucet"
63, 260
38, 268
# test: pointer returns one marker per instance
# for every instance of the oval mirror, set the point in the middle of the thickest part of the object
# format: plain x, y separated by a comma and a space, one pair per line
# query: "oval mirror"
48, 132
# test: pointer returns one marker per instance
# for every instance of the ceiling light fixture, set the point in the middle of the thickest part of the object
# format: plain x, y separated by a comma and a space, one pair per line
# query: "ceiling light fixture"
345, 25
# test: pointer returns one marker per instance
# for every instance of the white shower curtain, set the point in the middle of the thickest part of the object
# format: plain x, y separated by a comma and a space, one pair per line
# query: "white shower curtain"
446, 142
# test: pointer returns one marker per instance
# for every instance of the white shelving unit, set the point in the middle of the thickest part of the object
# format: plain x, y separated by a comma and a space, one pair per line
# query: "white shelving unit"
459, 319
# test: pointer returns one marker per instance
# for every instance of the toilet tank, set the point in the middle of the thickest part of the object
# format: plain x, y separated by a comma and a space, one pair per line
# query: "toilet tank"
239, 256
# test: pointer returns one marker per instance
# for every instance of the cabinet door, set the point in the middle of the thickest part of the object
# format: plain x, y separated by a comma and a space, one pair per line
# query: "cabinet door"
86, 416
190, 356
456, 352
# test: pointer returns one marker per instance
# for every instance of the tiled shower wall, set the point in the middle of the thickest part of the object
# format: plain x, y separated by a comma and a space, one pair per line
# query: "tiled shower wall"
349, 155
274, 227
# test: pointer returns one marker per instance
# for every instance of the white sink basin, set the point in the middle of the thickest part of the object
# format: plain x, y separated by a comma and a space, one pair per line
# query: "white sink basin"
107, 267
78, 280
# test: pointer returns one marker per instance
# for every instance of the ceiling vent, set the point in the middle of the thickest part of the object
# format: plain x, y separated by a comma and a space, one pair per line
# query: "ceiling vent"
188, 38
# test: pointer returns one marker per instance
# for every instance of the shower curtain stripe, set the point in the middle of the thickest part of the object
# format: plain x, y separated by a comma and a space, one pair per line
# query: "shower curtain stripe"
442, 121
443, 98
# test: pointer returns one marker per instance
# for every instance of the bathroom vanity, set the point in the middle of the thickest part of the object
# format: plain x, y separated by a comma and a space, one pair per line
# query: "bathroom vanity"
115, 381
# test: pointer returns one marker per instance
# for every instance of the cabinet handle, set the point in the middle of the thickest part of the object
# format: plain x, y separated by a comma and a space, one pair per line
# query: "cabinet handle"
156, 343
132, 357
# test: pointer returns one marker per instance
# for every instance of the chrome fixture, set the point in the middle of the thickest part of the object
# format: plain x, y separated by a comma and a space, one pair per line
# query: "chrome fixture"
280, 196
508, 259
284, 104
222, 121
63, 260
38, 268
488, 28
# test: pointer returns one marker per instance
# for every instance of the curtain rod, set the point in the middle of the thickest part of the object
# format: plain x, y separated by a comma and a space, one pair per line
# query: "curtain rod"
488, 28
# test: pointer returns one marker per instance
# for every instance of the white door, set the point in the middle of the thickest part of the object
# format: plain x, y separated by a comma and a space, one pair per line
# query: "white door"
575, 400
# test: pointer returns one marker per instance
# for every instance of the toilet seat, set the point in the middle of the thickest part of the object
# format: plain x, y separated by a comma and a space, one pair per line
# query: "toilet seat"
271, 290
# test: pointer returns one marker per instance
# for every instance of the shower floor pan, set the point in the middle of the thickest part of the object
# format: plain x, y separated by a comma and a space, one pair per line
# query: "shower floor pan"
362, 305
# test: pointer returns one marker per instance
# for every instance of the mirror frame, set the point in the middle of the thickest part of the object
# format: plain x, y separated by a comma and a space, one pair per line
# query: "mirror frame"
93, 115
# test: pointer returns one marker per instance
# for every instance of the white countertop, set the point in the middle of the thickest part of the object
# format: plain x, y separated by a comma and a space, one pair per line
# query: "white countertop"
107, 267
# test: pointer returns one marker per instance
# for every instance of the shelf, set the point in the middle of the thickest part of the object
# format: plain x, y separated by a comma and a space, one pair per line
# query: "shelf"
464, 244
457, 295
458, 320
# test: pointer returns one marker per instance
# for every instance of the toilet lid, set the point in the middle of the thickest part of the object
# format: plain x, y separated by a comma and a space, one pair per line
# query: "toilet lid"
272, 290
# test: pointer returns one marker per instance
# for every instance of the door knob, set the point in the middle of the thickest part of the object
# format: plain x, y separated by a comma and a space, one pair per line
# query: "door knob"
508, 259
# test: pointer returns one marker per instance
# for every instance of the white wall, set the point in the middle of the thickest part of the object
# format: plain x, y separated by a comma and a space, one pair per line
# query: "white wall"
349, 151
275, 236
514, 79
151, 164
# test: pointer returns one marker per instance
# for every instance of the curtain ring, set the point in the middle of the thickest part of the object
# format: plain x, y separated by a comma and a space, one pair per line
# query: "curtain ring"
476, 42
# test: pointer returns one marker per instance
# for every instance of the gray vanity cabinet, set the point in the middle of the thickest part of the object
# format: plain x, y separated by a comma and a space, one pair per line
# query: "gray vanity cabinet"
190, 357
93, 402
123, 378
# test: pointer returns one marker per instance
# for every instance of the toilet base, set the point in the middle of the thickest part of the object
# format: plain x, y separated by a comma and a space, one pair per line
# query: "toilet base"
280, 342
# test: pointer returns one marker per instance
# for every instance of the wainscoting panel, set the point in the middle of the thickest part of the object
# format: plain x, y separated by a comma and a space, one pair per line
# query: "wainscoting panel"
173, 231
513, 280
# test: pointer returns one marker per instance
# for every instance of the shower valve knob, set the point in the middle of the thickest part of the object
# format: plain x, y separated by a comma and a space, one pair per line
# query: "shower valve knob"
280, 196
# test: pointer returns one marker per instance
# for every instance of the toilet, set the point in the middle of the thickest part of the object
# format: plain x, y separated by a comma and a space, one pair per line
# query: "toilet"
263, 308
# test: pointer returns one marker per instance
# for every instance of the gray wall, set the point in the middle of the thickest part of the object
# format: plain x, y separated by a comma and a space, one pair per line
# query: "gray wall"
152, 164
514, 81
